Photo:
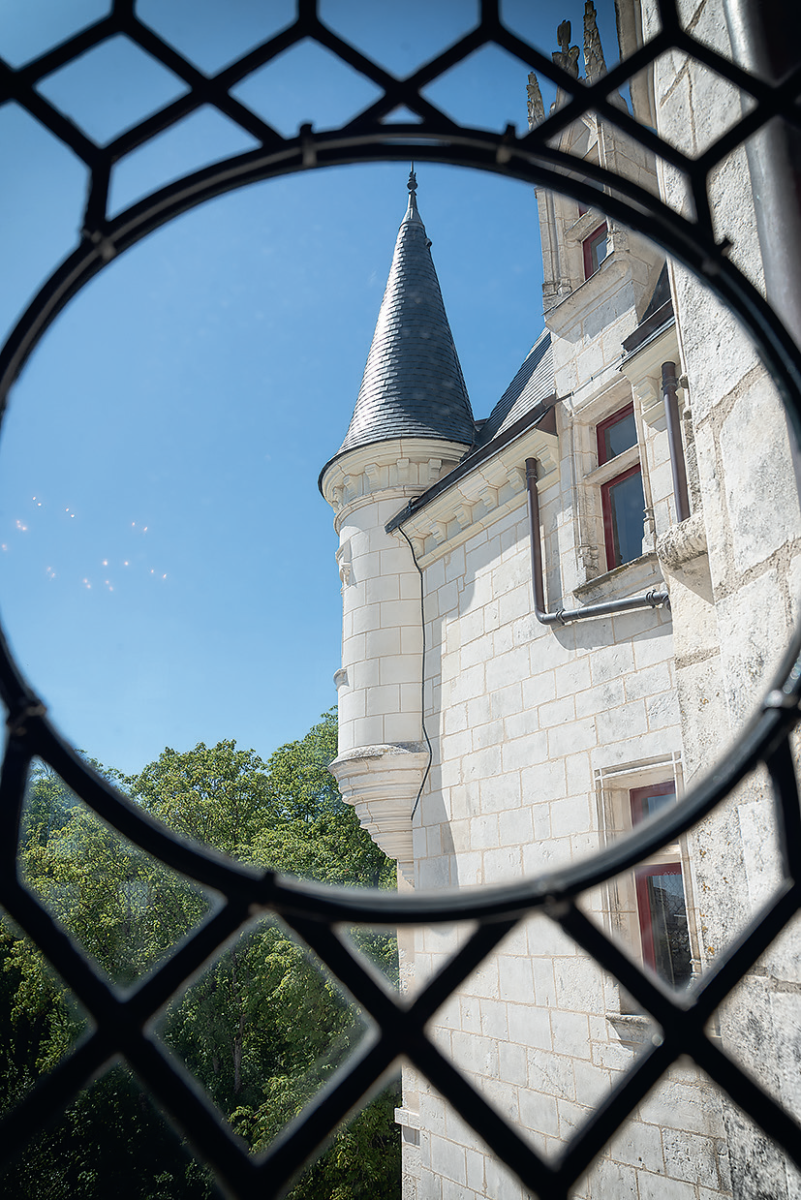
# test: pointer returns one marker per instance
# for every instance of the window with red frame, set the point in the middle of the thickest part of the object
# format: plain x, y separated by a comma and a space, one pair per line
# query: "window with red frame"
596, 248
622, 499
661, 907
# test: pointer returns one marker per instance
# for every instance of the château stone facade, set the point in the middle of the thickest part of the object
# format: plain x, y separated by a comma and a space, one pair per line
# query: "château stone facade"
481, 740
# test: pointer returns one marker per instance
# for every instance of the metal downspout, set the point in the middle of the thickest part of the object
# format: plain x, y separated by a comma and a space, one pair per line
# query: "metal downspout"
677, 467
650, 599
765, 38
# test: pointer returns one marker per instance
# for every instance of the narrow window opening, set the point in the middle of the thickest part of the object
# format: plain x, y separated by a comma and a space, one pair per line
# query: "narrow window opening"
596, 248
622, 498
661, 906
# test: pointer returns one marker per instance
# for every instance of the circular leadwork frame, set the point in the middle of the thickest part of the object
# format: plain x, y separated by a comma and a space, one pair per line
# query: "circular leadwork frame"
122, 1022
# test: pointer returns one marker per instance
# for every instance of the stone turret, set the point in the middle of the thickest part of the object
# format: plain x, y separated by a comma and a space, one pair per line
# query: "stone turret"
411, 425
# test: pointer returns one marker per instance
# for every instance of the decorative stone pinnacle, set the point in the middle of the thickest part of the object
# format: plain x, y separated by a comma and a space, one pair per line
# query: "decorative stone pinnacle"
566, 56
536, 108
594, 64
412, 184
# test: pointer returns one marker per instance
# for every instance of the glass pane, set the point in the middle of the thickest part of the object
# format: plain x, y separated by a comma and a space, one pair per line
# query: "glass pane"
599, 248
652, 804
646, 801
619, 436
626, 503
667, 916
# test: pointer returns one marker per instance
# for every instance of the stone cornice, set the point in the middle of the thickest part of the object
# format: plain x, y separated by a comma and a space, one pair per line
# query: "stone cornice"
584, 298
477, 499
401, 468
643, 369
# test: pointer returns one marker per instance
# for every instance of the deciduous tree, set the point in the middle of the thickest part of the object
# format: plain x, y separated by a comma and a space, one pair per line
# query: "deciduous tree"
264, 1027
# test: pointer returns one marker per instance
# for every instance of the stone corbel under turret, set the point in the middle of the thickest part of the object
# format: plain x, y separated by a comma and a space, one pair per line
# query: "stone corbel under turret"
382, 783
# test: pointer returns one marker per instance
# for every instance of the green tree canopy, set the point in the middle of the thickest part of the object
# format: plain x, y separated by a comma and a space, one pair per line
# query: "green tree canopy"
264, 1027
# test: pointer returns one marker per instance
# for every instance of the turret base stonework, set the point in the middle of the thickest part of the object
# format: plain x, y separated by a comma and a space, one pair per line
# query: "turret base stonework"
382, 783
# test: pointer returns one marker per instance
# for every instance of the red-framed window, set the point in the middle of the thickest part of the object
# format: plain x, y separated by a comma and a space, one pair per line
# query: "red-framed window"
622, 498
661, 906
616, 434
595, 248
645, 801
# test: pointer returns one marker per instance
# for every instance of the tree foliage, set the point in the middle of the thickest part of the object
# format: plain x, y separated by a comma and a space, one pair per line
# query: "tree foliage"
262, 1029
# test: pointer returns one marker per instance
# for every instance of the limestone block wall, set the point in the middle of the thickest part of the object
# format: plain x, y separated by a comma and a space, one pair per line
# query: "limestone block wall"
379, 688
522, 715
529, 726
738, 600
537, 732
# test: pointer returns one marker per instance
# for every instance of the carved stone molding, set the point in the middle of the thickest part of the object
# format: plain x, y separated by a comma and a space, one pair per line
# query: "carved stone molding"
342, 556
682, 543
406, 466
643, 369
481, 496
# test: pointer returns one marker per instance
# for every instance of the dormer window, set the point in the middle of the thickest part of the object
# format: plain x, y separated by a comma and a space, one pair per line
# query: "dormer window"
595, 248
622, 499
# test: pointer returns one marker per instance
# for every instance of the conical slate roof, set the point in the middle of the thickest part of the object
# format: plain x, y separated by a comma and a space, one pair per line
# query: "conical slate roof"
413, 384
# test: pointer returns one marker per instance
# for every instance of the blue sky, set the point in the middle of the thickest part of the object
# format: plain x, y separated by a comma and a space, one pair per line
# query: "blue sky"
167, 569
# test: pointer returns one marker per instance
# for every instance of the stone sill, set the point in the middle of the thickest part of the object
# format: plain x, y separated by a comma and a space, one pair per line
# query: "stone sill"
630, 1027
407, 1118
638, 575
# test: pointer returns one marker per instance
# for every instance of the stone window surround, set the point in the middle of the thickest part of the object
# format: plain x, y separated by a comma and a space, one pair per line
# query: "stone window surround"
626, 464
588, 247
590, 517
613, 786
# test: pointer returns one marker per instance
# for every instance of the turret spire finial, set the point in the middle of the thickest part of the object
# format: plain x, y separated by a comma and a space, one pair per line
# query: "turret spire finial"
411, 212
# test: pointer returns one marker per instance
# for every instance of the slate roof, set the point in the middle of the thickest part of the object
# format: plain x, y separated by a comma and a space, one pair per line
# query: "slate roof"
660, 297
413, 384
533, 383
656, 317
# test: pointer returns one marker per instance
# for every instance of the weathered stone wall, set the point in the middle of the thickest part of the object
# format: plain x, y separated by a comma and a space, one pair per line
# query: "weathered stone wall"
734, 607
537, 732
527, 723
